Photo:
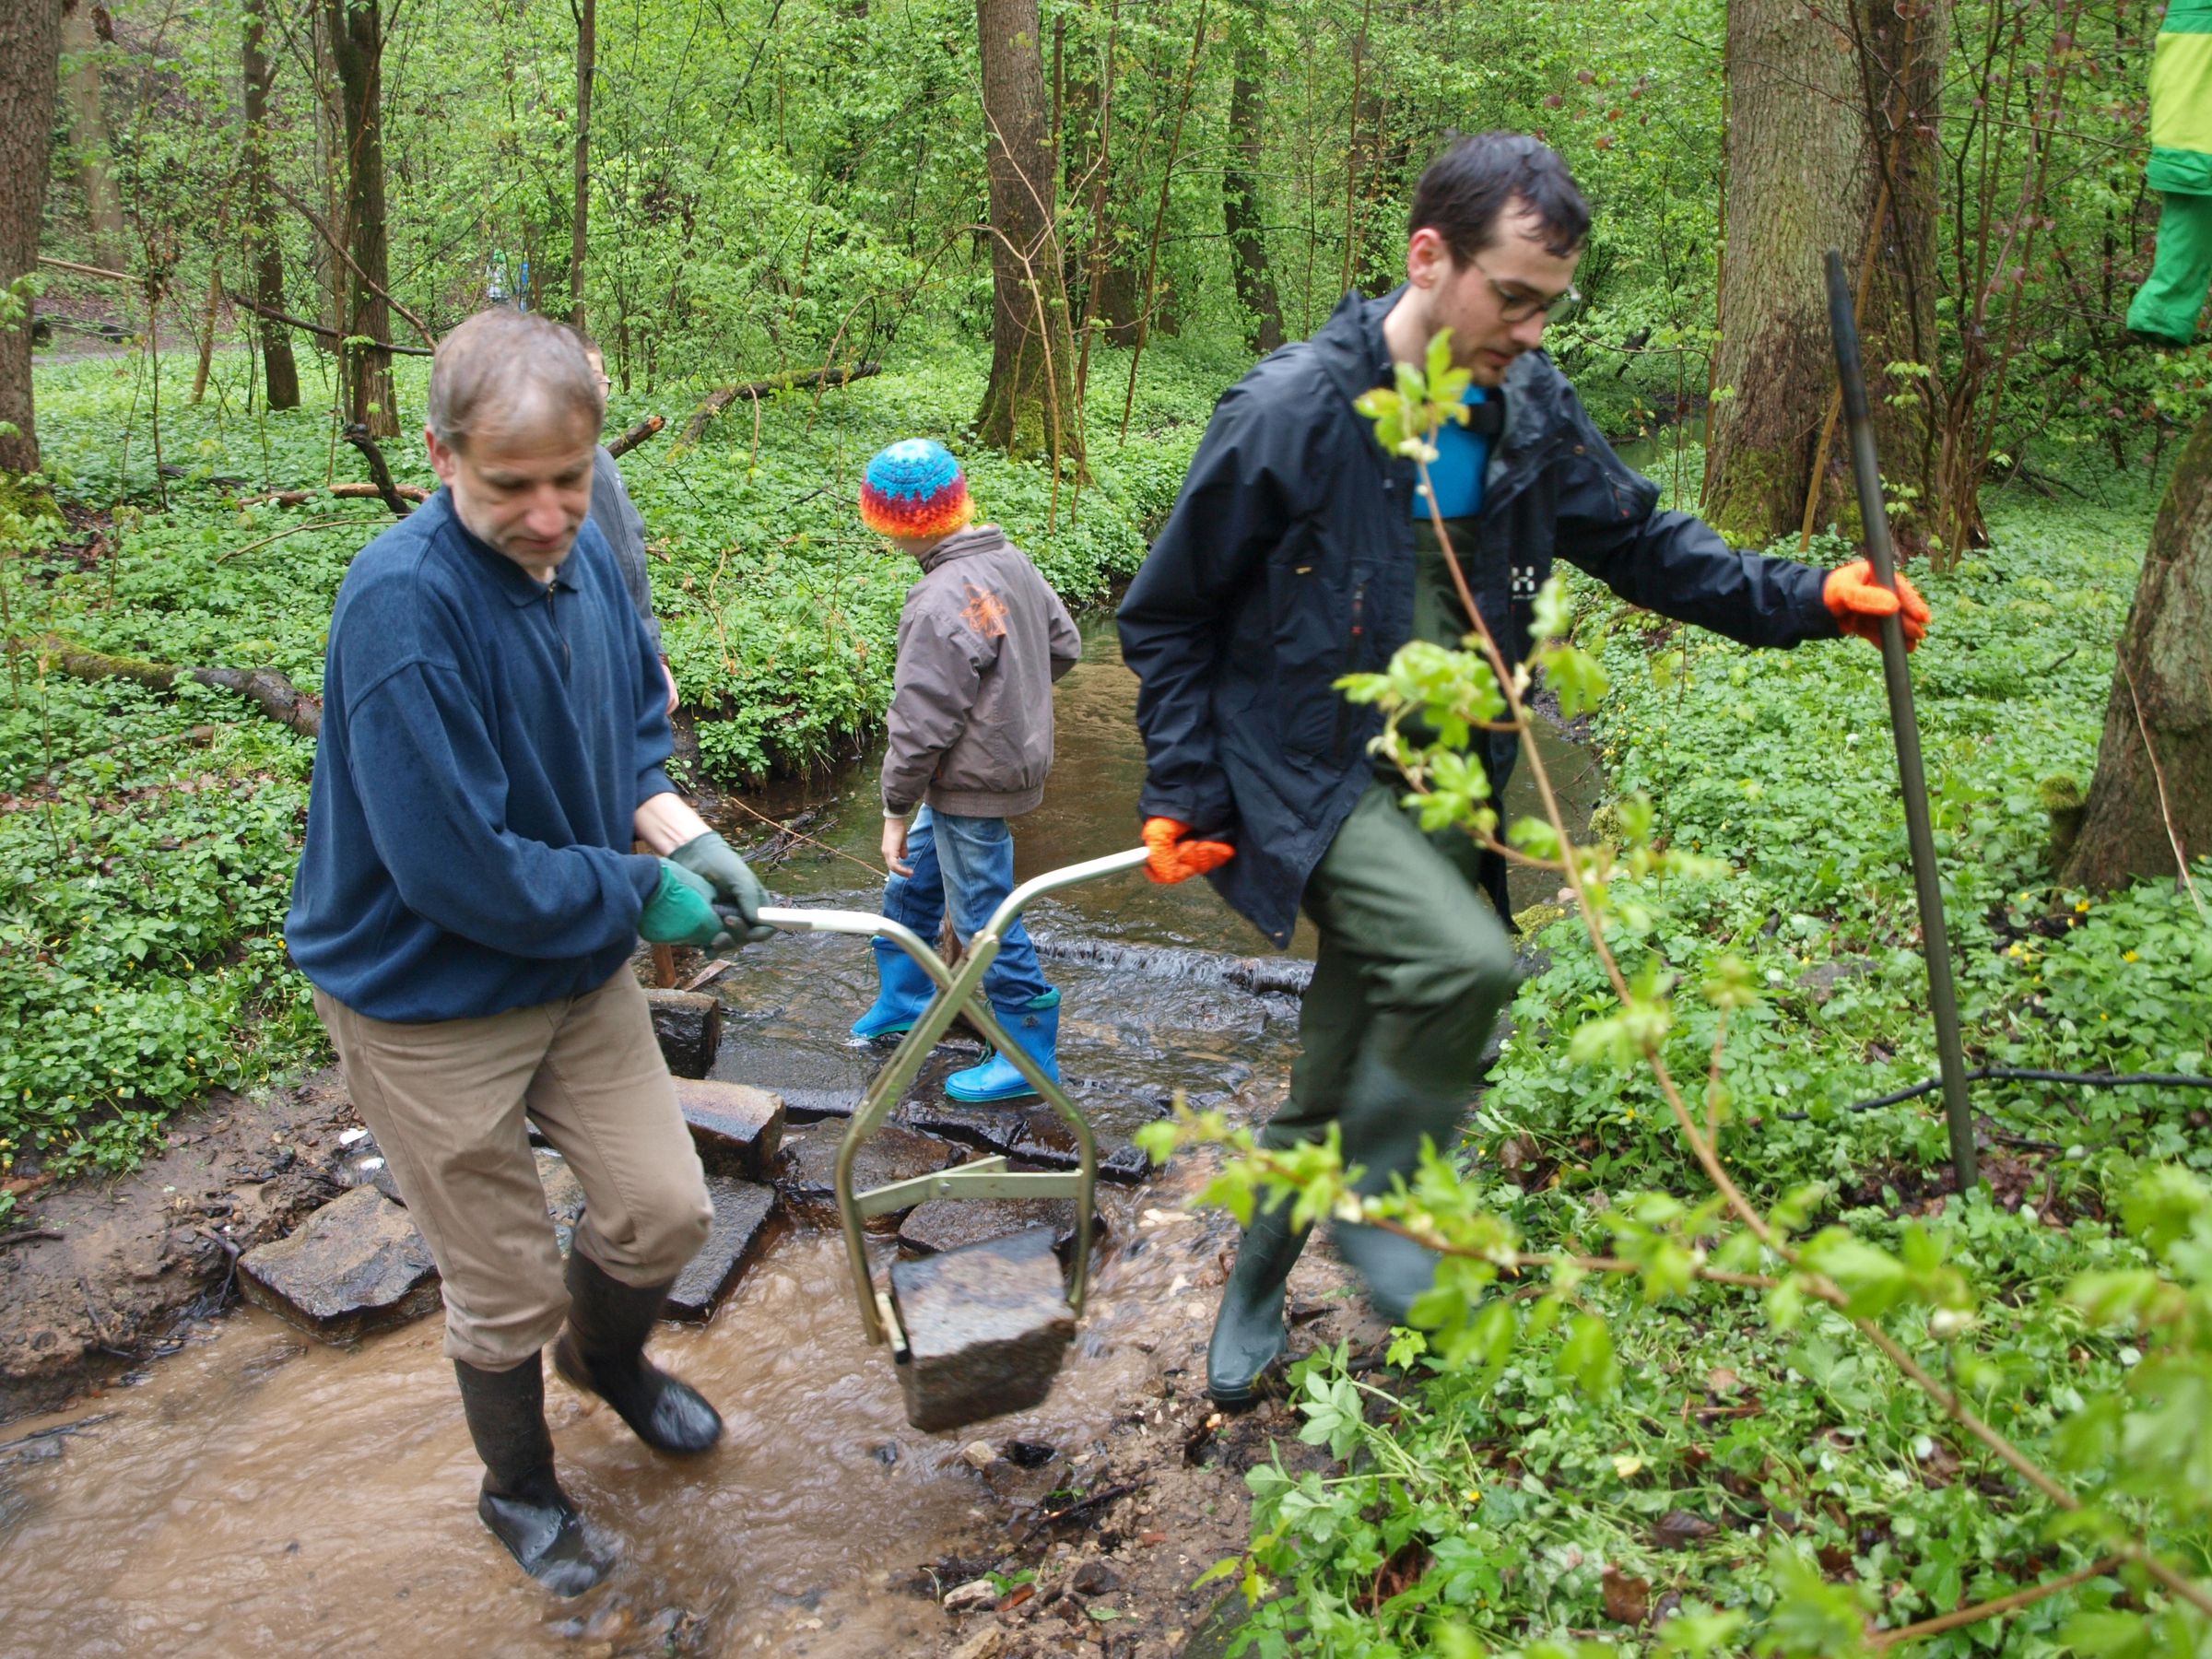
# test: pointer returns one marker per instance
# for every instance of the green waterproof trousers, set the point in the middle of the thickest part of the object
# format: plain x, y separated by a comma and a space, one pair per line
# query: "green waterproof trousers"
1413, 970
2167, 305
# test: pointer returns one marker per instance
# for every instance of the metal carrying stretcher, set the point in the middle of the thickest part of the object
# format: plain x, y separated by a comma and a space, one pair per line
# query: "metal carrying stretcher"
980, 1329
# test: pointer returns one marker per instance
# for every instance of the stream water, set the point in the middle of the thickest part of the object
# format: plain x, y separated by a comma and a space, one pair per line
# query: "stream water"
260, 1492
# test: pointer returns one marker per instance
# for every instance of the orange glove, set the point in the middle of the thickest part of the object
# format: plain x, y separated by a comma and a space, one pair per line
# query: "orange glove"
1174, 859
1859, 602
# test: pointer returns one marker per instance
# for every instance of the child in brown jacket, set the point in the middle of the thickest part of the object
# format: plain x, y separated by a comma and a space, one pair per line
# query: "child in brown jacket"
981, 641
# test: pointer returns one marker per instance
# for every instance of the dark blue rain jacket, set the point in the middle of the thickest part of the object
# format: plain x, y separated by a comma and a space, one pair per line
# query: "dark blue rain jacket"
1289, 560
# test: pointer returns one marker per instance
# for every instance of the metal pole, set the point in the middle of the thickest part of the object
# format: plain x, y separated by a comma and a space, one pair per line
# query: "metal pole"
1943, 999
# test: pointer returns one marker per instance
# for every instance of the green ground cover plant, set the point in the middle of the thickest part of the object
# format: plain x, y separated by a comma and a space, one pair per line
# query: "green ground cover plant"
1716, 1365
147, 847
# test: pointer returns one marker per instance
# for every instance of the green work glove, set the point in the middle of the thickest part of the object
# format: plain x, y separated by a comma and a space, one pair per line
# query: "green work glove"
681, 912
736, 888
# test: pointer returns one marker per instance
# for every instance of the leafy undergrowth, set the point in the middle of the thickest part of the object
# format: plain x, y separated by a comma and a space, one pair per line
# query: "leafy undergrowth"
148, 840
1672, 1468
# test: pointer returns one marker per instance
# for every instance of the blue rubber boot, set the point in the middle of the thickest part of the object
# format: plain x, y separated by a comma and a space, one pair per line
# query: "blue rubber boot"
1035, 1025
905, 991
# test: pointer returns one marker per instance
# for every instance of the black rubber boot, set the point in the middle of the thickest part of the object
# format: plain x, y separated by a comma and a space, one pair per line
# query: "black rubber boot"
1249, 1332
522, 1501
603, 1352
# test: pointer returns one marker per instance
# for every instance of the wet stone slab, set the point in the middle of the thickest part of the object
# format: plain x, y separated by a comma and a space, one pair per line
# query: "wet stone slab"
951, 1223
355, 1266
737, 1129
689, 1027
811, 1067
807, 1173
986, 1327
742, 1212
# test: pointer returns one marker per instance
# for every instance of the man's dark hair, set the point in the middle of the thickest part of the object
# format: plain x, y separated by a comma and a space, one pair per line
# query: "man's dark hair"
1482, 178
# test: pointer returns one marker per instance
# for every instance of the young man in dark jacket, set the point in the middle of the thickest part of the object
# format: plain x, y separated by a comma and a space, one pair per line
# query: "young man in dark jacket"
1299, 552
982, 638
494, 727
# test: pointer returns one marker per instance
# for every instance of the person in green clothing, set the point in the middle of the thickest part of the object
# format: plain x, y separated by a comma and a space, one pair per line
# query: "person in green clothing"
1300, 551
2168, 305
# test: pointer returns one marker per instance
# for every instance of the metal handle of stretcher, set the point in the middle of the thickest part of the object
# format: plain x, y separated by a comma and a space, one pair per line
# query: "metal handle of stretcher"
956, 994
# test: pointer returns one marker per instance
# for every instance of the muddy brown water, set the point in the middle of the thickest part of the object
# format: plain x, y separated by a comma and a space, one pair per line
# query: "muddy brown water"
262, 1493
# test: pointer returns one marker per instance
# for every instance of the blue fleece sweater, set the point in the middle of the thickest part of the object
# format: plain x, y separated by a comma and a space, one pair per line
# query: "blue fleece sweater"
486, 741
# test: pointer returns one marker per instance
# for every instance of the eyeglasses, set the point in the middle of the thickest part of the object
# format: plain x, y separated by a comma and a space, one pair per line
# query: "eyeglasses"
1519, 308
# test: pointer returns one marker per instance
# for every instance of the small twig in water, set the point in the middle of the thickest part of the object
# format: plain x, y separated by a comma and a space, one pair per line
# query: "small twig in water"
799, 835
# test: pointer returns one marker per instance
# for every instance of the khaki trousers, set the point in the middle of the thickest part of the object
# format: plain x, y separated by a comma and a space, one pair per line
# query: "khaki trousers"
446, 1102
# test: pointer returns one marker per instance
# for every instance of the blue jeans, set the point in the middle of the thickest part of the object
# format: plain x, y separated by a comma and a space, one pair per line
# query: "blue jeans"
968, 863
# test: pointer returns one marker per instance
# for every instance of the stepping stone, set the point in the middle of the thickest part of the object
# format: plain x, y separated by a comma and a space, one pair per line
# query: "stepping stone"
989, 1128
738, 1130
806, 1176
986, 1327
1035, 1134
1048, 1143
811, 1105
818, 1071
689, 1025
951, 1223
355, 1266
741, 1219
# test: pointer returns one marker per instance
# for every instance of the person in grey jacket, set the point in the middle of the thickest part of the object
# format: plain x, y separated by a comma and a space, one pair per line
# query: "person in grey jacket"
981, 641
623, 525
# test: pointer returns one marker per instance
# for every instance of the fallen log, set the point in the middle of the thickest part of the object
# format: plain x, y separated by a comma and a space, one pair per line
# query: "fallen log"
265, 687
332, 335
721, 399
636, 435
380, 470
343, 492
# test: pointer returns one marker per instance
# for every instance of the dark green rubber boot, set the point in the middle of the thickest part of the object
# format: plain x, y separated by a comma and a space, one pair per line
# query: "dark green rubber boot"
1249, 1332
603, 1352
1387, 1117
522, 1501
1394, 1269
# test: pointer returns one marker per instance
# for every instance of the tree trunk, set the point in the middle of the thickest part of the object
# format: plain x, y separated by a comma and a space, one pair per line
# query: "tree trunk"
1902, 61
31, 46
281, 375
357, 42
1239, 184
2145, 799
1799, 184
1029, 407
587, 54
88, 138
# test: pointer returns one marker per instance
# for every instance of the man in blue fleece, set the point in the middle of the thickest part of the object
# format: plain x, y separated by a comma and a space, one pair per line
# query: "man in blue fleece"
495, 723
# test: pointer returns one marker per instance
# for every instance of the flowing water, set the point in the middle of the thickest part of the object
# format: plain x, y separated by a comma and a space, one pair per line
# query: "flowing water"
262, 1493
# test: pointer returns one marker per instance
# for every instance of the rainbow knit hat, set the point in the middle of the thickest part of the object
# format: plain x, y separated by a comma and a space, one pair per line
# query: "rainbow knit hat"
914, 491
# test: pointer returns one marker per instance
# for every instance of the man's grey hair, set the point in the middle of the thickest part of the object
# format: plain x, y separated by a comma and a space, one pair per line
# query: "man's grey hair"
509, 369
